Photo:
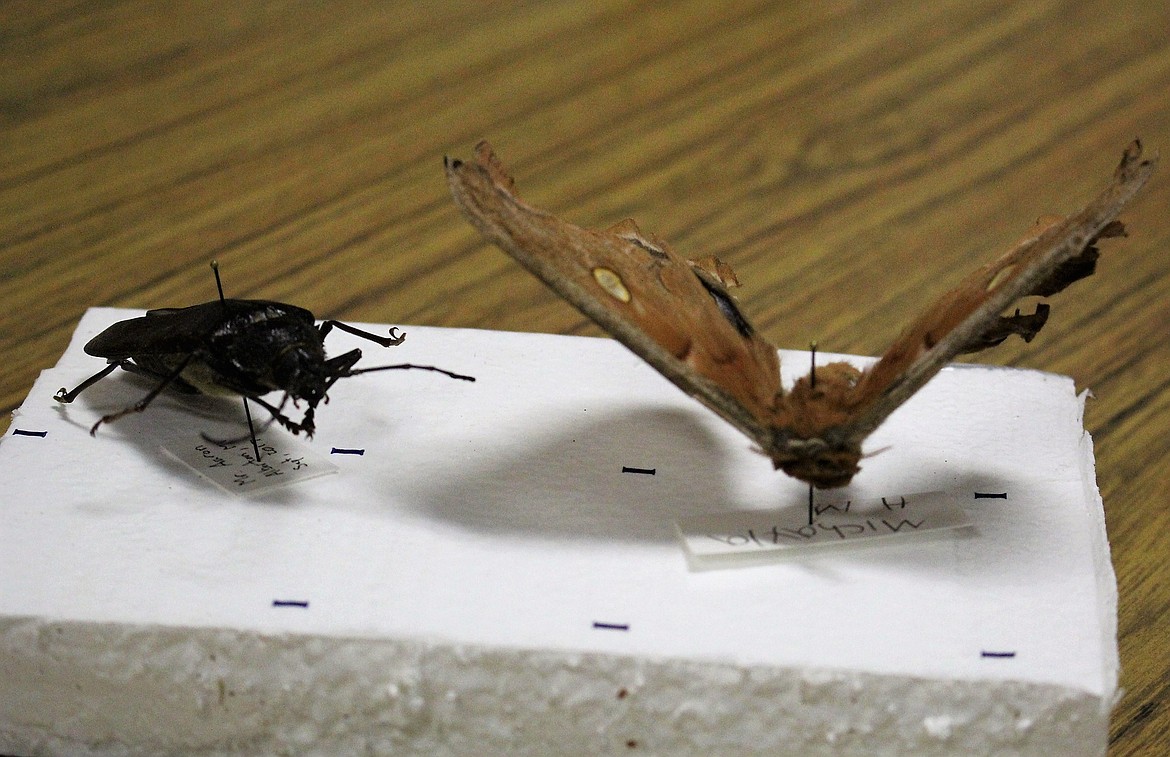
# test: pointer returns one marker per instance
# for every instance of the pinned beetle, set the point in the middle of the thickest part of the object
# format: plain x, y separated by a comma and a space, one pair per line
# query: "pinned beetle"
228, 346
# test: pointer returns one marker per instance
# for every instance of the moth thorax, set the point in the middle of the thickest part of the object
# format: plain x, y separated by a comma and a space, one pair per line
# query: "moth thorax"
810, 408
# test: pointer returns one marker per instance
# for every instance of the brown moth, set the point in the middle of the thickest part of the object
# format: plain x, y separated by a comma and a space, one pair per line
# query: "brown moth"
677, 314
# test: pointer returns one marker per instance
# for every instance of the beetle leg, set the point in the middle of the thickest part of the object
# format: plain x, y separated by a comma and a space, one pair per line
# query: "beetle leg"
305, 425
386, 341
177, 383
142, 404
67, 397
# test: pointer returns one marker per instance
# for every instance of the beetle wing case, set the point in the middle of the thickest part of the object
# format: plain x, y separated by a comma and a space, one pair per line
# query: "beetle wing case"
183, 330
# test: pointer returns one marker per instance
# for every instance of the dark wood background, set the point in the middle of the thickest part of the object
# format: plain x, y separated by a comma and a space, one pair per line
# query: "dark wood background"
849, 159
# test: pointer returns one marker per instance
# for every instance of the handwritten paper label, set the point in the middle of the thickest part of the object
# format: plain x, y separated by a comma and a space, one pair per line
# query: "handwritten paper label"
232, 465
752, 536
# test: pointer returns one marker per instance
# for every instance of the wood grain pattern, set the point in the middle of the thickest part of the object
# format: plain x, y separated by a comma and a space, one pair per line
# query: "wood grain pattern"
848, 159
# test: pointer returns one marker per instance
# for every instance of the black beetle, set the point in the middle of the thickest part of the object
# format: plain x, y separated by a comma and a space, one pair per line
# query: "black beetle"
244, 347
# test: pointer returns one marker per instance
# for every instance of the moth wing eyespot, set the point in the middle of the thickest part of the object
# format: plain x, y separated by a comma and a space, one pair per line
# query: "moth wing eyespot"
612, 284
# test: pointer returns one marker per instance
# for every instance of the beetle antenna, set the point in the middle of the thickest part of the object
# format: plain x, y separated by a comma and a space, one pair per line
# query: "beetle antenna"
404, 366
812, 373
810, 504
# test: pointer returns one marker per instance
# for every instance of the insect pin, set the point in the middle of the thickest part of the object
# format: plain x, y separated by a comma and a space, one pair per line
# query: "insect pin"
228, 346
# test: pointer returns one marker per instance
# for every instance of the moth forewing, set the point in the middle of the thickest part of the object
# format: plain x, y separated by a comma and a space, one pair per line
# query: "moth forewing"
921, 351
631, 285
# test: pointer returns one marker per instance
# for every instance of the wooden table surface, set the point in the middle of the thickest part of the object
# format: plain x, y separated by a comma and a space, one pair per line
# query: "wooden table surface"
849, 159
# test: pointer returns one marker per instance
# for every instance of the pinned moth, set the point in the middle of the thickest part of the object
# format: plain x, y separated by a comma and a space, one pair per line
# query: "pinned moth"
679, 316
229, 346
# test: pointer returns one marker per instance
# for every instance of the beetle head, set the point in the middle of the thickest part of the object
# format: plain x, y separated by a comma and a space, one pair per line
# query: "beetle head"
302, 373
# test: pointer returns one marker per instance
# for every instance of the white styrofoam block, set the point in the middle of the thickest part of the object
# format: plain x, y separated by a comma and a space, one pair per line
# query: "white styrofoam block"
463, 573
